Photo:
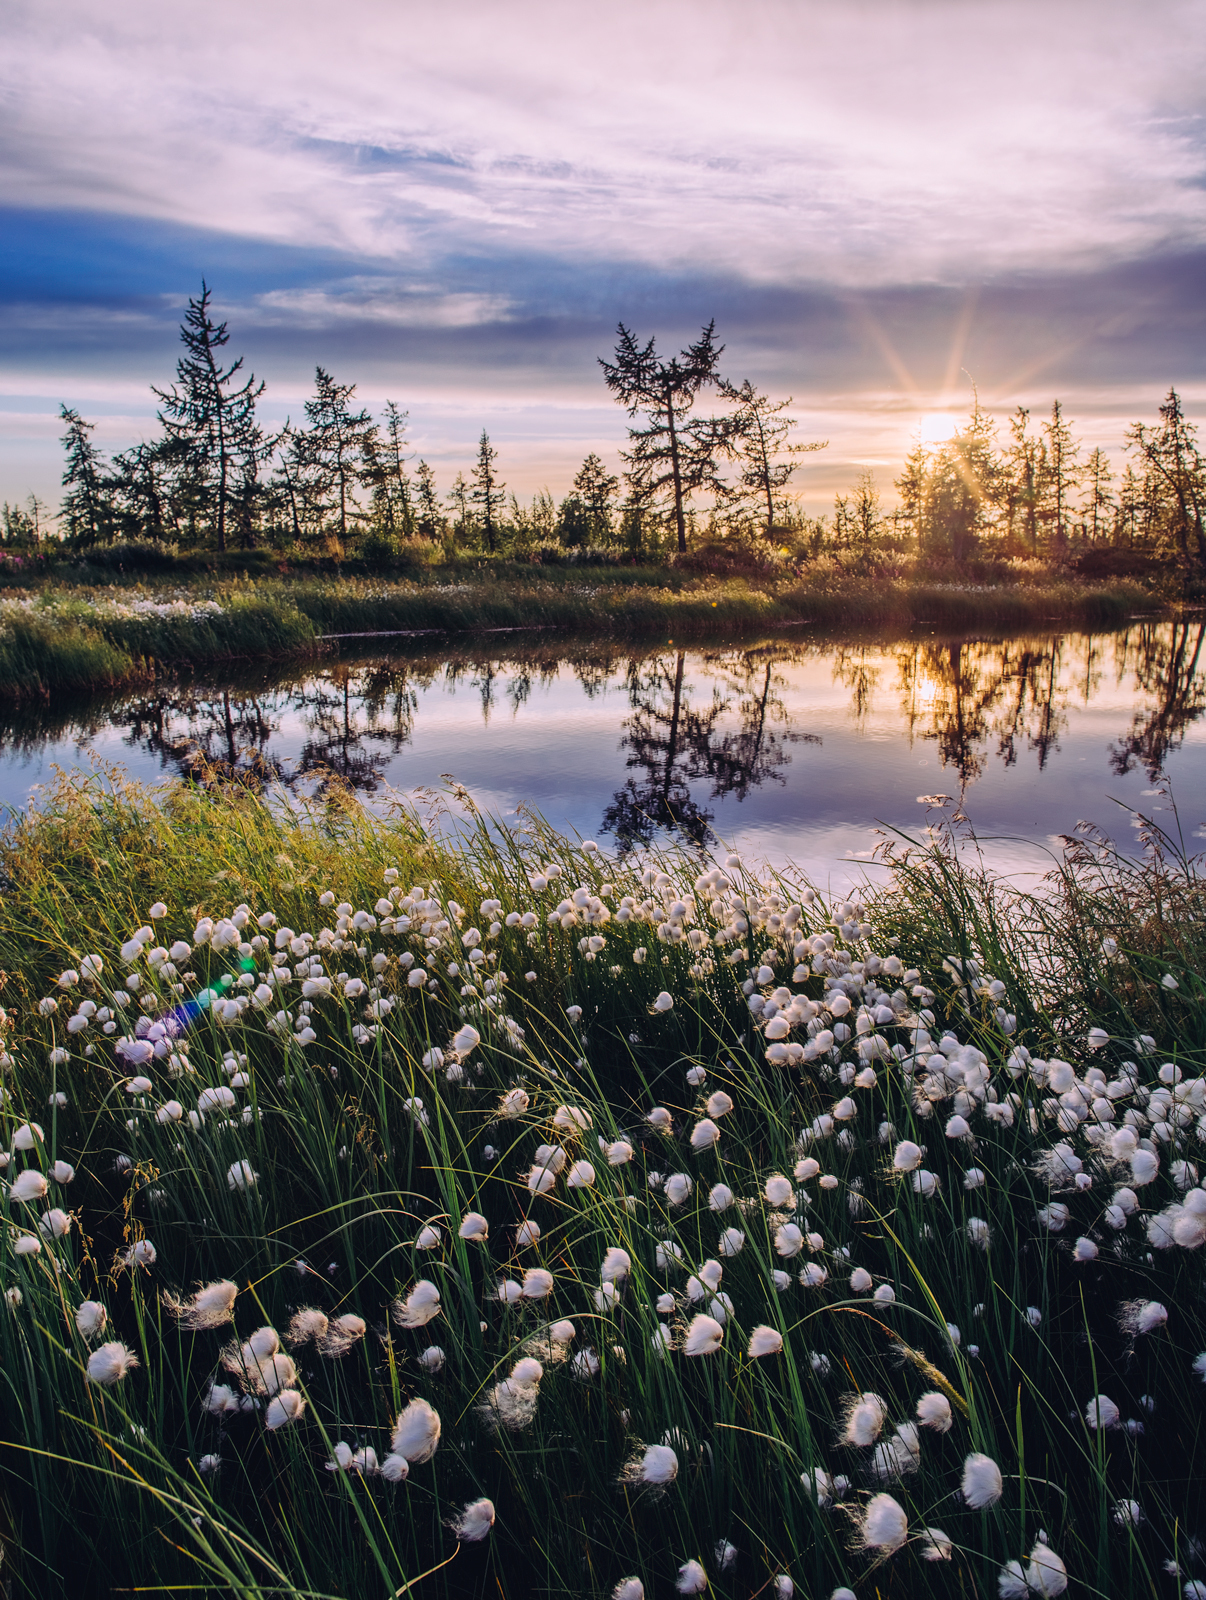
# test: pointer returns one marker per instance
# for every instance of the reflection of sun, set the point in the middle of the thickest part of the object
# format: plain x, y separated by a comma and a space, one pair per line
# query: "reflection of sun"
925, 691
936, 428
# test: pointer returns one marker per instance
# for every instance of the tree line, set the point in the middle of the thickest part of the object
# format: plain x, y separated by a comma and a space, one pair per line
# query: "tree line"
342, 480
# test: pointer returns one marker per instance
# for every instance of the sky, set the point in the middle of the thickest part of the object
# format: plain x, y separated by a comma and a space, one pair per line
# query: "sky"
881, 202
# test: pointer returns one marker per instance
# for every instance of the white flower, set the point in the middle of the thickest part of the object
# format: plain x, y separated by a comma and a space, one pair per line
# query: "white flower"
62, 1172
28, 1186
704, 1135
210, 1307
514, 1103
628, 1589
1142, 1316
474, 1522
475, 1228
619, 1153
1046, 1575
660, 1120
1101, 1412
731, 1242
527, 1234
416, 1433
789, 1240
864, 1420
571, 1120
934, 1411
428, 1237
906, 1156
935, 1545
678, 1188
779, 1192
704, 1336
1084, 1250
765, 1341
283, 1409
90, 1318
537, 1283
981, 1482
240, 1177
978, 1232
395, 1468
860, 1281
580, 1176
1011, 1582
617, 1264
884, 1525
664, 1002
421, 1306
658, 1465
692, 1579
720, 1197
110, 1363
719, 1104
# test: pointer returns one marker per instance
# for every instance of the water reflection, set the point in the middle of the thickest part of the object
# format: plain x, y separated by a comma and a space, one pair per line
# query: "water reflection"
672, 738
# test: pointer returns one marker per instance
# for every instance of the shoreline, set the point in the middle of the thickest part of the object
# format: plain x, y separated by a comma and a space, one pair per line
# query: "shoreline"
63, 640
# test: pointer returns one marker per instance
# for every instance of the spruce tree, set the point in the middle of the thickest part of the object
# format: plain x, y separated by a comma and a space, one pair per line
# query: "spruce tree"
596, 490
207, 417
338, 451
487, 491
87, 511
430, 519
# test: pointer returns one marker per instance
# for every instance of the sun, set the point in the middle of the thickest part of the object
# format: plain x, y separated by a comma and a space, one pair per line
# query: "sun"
937, 427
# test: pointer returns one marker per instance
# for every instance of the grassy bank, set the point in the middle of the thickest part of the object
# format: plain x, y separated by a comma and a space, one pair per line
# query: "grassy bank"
84, 638
942, 1236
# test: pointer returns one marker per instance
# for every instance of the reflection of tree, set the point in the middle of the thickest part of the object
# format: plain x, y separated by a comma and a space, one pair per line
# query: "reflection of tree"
854, 671
1166, 667
346, 713
959, 693
222, 736
754, 754
674, 743
665, 741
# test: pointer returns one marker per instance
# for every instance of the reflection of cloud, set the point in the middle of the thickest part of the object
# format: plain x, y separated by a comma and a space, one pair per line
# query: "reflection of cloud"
378, 300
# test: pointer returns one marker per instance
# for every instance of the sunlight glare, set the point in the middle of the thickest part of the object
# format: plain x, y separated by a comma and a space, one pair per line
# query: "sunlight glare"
936, 428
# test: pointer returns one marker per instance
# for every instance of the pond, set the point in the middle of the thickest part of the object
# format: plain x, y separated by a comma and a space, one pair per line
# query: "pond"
783, 748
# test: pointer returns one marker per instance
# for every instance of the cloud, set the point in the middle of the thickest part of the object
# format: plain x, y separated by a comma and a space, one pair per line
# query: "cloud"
781, 141
378, 300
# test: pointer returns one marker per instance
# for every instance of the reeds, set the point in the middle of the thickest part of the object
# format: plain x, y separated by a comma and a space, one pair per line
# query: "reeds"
72, 640
843, 1339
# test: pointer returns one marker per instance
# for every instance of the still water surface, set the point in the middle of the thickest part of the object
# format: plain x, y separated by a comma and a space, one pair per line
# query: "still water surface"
787, 750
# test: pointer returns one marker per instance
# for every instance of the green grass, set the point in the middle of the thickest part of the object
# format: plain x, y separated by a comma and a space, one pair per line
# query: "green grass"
101, 1487
78, 638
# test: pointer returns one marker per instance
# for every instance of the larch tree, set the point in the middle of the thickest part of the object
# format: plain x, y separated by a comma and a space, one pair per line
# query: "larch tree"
87, 512
675, 454
429, 517
339, 447
391, 481
209, 417
458, 499
1172, 458
1063, 475
597, 488
488, 492
1098, 508
755, 435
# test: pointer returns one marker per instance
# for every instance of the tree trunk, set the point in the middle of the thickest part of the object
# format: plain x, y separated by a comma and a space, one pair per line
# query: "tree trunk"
679, 519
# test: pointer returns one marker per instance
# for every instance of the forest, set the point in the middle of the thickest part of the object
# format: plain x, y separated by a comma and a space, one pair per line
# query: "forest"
708, 480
